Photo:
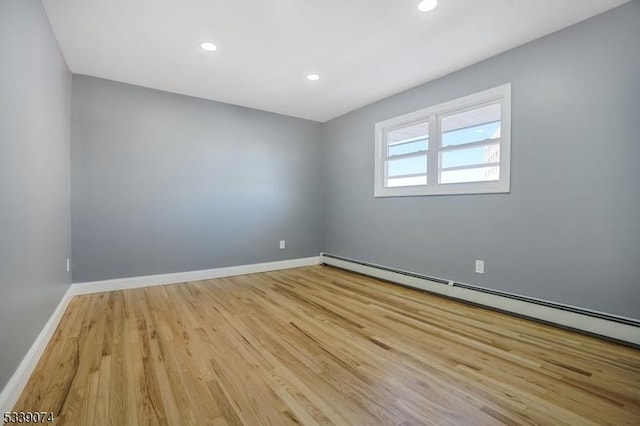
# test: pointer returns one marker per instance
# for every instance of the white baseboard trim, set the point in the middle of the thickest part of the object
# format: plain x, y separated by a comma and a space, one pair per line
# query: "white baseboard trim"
590, 321
182, 277
11, 392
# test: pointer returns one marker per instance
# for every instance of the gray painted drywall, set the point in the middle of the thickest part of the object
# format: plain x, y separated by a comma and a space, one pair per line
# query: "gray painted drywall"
167, 183
35, 100
569, 231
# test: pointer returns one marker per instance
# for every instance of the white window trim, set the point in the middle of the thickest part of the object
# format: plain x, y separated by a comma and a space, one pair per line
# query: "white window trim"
502, 93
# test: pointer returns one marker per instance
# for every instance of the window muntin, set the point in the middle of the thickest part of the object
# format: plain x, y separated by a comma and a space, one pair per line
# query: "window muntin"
473, 125
409, 147
477, 155
458, 147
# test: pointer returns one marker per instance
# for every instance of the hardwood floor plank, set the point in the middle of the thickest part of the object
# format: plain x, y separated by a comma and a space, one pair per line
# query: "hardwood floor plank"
319, 346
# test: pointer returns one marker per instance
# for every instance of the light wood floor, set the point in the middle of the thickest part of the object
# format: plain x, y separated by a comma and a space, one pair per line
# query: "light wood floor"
318, 345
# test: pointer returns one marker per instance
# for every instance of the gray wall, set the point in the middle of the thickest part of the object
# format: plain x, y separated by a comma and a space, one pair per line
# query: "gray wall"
569, 231
35, 96
167, 183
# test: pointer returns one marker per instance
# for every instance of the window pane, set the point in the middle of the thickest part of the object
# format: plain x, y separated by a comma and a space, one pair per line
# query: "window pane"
407, 166
407, 133
471, 156
408, 147
480, 174
408, 181
471, 126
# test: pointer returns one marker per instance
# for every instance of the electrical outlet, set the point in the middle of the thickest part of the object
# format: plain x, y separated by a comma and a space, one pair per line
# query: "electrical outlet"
282, 244
68, 265
480, 266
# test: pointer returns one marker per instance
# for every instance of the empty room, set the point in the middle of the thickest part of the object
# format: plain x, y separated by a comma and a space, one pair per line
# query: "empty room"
362, 212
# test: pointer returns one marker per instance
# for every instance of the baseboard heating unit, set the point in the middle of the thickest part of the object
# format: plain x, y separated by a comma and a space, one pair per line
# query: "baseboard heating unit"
614, 327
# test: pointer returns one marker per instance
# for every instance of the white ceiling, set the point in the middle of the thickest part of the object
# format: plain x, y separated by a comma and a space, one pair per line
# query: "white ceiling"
364, 50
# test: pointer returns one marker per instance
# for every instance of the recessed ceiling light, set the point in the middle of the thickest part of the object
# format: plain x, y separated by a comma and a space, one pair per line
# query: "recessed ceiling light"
313, 77
427, 5
208, 46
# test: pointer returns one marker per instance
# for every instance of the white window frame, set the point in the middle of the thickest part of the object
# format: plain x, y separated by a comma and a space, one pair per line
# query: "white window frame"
432, 114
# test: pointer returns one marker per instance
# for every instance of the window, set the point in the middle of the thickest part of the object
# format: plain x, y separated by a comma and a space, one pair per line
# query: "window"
459, 147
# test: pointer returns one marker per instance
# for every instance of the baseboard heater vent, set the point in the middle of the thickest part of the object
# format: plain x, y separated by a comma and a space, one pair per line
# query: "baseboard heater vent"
626, 330
385, 268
